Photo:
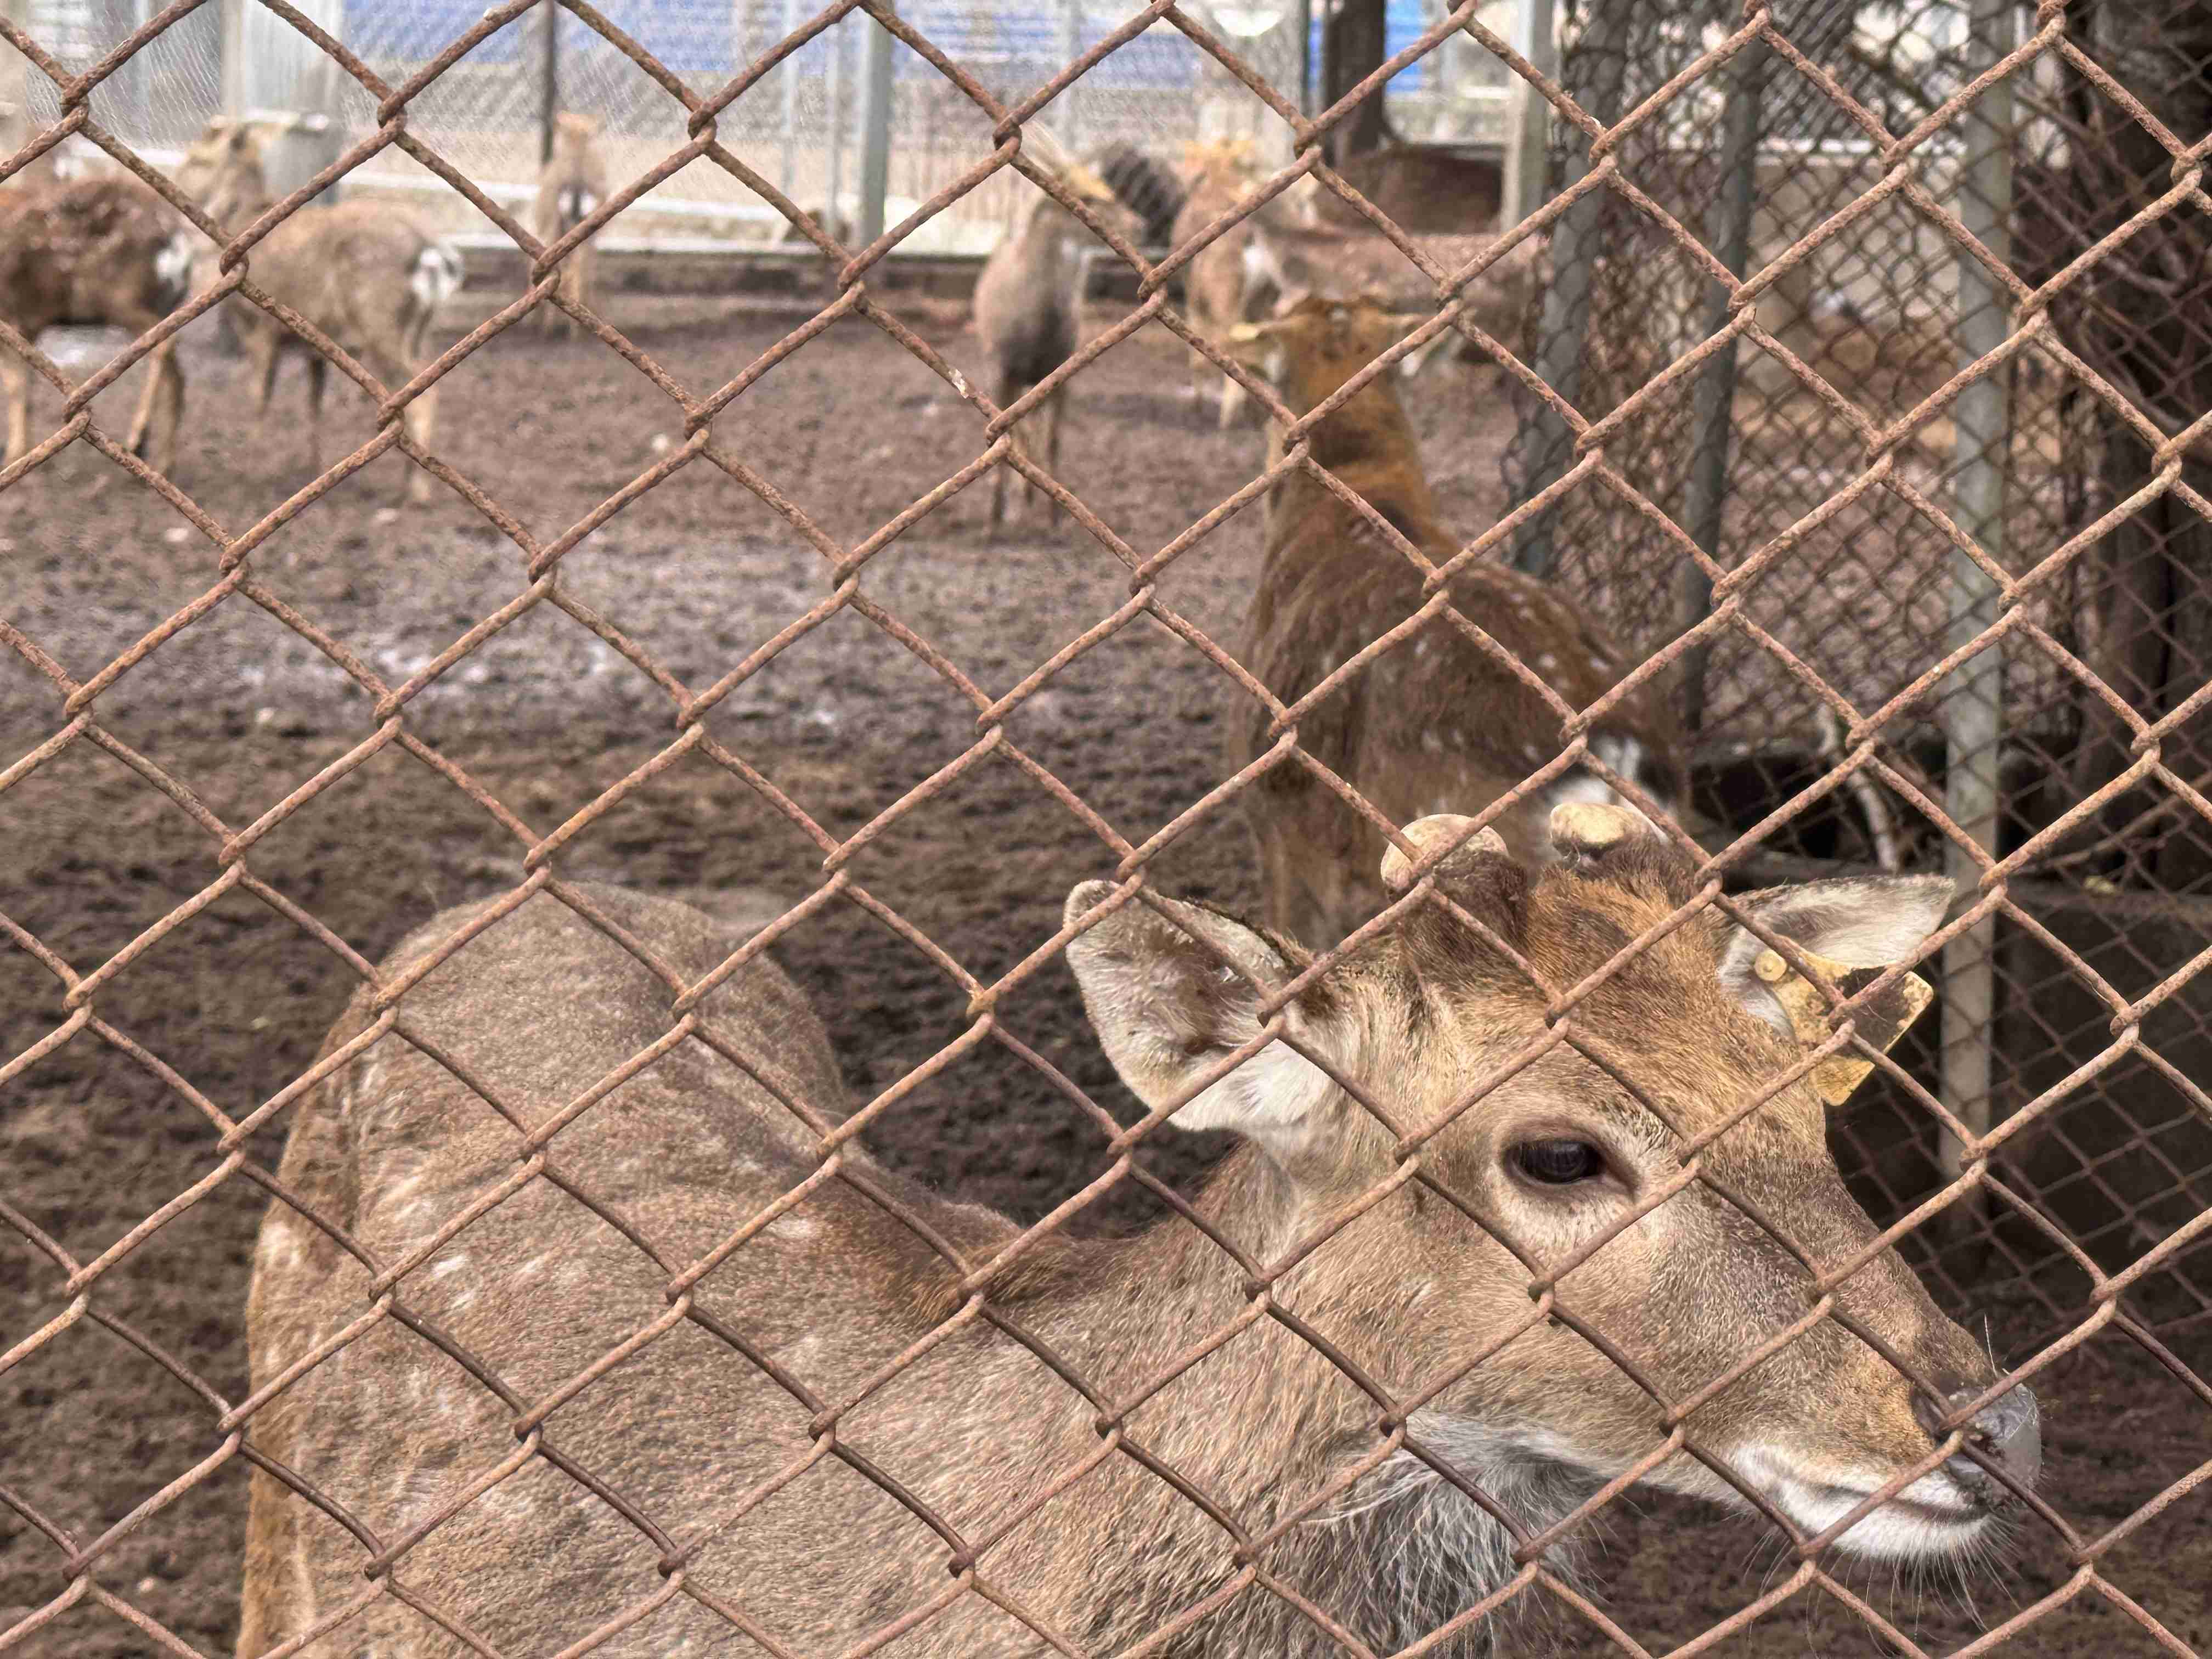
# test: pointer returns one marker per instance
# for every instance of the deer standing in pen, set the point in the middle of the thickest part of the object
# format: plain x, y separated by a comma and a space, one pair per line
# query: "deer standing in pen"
1028, 300
450, 1500
1437, 720
99, 251
570, 187
363, 273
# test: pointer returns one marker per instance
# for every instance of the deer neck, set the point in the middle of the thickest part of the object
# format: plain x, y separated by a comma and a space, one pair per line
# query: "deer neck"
1401, 1551
1369, 445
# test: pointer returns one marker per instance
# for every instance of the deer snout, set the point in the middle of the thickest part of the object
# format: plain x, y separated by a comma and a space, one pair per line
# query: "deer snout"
2007, 1432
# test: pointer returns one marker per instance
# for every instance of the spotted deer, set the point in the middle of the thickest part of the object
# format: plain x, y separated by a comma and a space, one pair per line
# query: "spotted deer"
570, 187
99, 249
435, 1372
1437, 719
362, 273
1028, 302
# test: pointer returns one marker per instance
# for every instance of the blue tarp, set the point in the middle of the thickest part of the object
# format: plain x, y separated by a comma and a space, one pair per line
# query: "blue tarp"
1011, 46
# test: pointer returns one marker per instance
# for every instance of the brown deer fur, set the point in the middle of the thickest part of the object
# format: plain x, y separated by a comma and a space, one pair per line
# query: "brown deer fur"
748, 1482
362, 273
570, 187
1218, 290
100, 250
1423, 190
1437, 721
1029, 309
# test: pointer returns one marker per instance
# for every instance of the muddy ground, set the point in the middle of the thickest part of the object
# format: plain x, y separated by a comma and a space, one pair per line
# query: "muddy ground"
240, 711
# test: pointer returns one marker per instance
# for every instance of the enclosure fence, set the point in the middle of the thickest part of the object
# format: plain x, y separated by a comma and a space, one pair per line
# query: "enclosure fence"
1615, 501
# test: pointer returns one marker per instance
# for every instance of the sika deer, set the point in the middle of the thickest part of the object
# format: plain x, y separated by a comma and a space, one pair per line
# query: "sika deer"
1437, 720
362, 273
570, 187
763, 1497
1028, 306
1223, 286
99, 249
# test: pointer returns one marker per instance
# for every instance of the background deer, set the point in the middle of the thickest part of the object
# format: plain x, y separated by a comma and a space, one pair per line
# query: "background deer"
1438, 721
99, 249
1028, 303
393, 1145
1221, 285
1422, 189
570, 187
363, 273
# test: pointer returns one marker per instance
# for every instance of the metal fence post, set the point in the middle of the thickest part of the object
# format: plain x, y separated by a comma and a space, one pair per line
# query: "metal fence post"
833, 95
1713, 399
1070, 47
1528, 138
549, 83
1574, 242
875, 129
790, 77
237, 92
1974, 699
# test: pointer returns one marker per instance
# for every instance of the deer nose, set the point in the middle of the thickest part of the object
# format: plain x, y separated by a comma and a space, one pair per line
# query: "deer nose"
2008, 1431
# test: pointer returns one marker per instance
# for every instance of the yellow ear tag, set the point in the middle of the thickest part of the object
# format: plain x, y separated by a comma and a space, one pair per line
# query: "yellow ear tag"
1880, 1023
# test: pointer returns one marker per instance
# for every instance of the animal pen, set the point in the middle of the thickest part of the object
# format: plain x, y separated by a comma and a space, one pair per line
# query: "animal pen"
1867, 400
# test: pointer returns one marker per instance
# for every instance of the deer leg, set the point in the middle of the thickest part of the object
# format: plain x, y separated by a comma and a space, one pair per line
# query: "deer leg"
18, 376
265, 353
1232, 402
166, 396
421, 419
142, 421
1052, 451
998, 501
318, 367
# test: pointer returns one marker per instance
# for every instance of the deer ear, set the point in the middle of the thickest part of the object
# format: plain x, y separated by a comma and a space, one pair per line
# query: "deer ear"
1868, 923
1170, 995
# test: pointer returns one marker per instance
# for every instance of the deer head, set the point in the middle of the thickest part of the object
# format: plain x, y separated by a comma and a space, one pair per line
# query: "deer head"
1634, 1169
222, 172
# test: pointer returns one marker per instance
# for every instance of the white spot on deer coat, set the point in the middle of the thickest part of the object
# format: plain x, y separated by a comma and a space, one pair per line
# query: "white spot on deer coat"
792, 1226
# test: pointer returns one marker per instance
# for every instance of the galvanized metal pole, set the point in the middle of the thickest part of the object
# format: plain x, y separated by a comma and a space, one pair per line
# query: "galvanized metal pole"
1529, 137
1713, 398
549, 83
1575, 242
875, 129
835, 94
237, 86
790, 78
1973, 697
1071, 46
1303, 14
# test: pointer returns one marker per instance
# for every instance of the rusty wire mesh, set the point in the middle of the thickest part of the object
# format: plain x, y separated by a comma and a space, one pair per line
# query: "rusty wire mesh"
1611, 473
1874, 313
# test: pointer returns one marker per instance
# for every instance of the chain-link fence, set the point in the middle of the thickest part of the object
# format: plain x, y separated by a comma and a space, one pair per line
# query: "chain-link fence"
1861, 407
1859, 334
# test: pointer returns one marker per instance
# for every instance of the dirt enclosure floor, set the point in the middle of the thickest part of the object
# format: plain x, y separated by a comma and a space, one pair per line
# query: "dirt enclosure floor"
241, 710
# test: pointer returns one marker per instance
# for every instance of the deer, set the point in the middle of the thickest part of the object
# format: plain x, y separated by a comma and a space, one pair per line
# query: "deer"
1028, 302
505, 1514
362, 273
1423, 190
570, 187
100, 249
1221, 287
1438, 717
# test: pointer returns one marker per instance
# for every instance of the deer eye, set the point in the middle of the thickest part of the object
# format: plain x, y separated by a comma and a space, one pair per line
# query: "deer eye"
1558, 1163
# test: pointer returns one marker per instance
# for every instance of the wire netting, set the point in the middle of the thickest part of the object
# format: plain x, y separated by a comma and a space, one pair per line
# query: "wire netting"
1833, 592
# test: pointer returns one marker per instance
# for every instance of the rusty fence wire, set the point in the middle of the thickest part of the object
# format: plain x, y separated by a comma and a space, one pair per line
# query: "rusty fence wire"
1813, 584
1872, 324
